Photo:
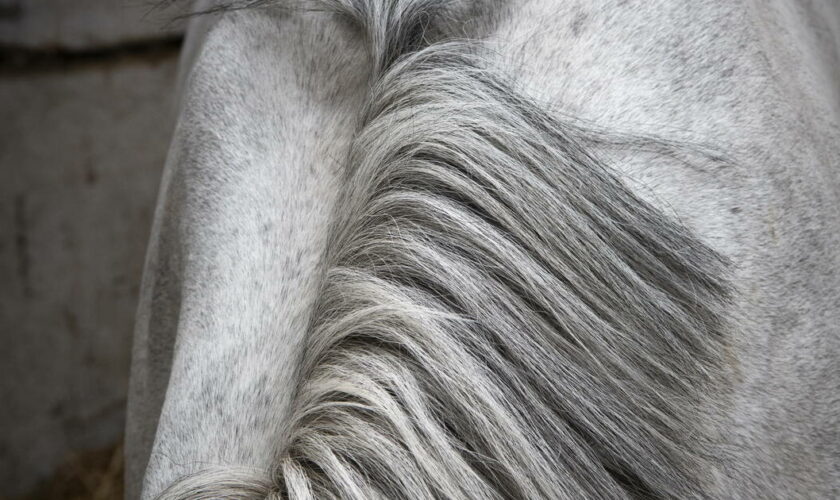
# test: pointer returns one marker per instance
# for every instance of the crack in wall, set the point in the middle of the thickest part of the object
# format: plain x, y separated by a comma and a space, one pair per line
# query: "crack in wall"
16, 59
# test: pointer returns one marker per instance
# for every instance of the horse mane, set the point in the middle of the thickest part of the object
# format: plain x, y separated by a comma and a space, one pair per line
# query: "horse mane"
501, 316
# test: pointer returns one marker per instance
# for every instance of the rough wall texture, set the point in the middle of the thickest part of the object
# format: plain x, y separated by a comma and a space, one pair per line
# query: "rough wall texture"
82, 144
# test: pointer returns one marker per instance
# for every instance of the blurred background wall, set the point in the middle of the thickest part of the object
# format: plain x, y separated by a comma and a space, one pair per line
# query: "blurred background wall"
86, 112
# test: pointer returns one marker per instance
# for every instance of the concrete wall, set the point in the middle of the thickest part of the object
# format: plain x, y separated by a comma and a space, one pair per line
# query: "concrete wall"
84, 128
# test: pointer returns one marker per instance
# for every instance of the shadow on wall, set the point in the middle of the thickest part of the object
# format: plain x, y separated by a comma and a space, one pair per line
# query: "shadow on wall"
86, 96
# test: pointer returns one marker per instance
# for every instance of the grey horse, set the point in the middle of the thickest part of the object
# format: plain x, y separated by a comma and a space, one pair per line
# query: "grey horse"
496, 249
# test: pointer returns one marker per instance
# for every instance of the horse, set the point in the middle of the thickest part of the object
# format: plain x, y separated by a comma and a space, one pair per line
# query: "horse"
496, 249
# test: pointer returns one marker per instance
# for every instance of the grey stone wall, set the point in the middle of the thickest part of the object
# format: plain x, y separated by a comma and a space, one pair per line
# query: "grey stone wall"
84, 129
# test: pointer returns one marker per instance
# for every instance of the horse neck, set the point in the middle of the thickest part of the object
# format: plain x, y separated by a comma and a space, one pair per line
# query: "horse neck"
239, 244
